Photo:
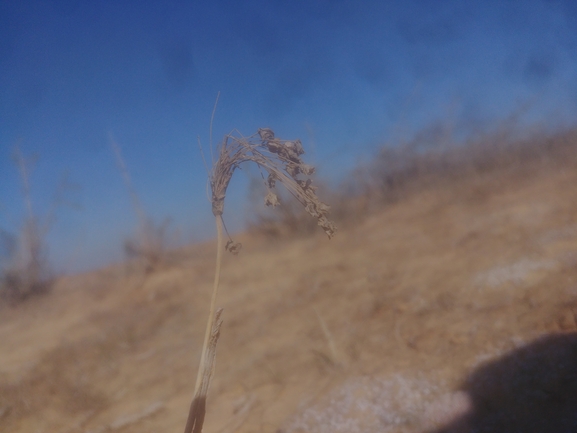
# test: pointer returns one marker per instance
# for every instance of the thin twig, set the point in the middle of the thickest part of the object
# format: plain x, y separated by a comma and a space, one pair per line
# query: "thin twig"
208, 356
22, 164
329, 337
137, 206
211, 120
202, 155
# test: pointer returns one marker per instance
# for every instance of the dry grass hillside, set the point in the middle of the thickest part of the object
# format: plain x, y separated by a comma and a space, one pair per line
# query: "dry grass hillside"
451, 309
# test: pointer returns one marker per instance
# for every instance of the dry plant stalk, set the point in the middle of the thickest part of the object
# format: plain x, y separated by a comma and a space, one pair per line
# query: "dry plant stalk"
335, 357
150, 240
28, 271
281, 159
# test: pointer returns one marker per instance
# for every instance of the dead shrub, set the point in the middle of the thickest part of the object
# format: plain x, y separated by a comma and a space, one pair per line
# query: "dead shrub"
151, 240
149, 244
27, 273
431, 158
427, 161
24, 268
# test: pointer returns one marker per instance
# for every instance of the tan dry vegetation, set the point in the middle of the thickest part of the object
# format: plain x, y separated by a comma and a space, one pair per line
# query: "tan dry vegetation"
25, 271
373, 331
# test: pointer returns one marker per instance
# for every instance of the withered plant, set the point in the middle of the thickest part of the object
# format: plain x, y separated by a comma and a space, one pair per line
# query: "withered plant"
24, 267
149, 244
281, 160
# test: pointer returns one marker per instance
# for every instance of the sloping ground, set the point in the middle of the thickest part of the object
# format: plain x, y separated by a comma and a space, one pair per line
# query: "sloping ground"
420, 316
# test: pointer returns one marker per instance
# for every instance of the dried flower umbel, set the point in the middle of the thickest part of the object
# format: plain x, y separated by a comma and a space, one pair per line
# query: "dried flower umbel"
281, 159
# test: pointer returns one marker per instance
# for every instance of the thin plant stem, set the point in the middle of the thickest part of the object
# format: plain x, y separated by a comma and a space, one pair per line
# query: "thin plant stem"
210, 132
209, 323
136, 204
197, 411
330, 340
22, 165
281, 159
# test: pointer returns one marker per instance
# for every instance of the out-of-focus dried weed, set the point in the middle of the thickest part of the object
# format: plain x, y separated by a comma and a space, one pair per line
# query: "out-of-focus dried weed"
150, 241
25, 270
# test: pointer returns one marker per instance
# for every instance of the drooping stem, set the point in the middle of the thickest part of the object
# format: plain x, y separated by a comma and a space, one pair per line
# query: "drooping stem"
206, 367
209, 324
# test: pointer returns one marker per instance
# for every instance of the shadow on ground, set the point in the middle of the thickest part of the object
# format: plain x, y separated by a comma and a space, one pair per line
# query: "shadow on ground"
532, 389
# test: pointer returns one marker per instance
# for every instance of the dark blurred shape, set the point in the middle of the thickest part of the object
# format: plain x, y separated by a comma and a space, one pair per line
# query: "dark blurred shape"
539, 68
25, 271
32, 93
178, 62
372, 67
298, 80
7, 245
150, 243
431, 24
9, 25
532, 389
65, 8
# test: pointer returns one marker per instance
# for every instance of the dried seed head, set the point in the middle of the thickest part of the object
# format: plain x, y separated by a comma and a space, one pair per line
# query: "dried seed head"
265, 134
271, 180
233, 247
307, 170
281, 159
271, 199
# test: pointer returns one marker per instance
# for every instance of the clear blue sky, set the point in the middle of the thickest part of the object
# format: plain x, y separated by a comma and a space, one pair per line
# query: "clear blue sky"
344, 76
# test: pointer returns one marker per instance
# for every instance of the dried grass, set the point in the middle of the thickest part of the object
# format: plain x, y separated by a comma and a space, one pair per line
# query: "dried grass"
288, 220
433, 158
428, 161
397, 403
281, 159
150, 242
26, 271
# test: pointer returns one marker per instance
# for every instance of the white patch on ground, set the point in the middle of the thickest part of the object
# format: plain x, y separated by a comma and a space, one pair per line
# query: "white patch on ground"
501, 349
383, 405
556, 235
516, 273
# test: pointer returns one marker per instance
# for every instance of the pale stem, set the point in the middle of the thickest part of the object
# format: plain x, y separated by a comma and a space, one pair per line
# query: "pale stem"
209, 323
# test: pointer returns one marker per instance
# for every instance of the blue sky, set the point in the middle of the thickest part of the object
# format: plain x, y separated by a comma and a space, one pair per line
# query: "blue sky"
344, 76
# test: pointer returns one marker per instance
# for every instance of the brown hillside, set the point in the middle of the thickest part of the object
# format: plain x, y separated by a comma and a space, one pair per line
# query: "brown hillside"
410, 319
